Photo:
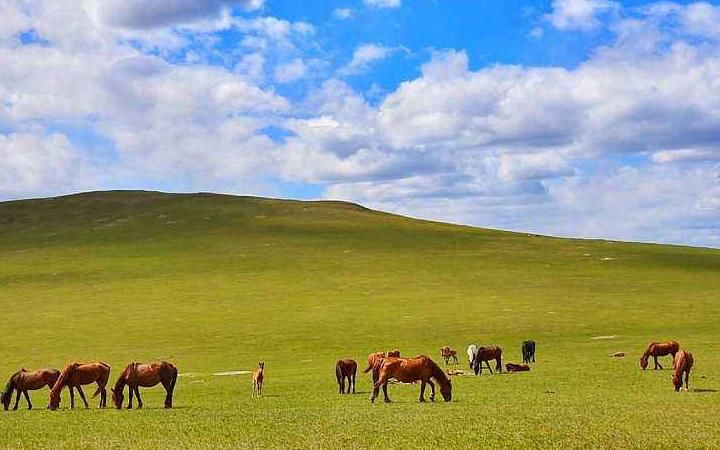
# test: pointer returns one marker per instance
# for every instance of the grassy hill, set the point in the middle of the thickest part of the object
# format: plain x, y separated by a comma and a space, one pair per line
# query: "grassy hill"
215, 283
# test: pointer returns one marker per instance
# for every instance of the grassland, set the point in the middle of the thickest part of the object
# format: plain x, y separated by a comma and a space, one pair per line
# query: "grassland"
215, 283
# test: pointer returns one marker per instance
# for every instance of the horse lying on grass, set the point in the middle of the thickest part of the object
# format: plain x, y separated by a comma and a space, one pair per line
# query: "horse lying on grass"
517, 367
409, 370
144, 375
24, 381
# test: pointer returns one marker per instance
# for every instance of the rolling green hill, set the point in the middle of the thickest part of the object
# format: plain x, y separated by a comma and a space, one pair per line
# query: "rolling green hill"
215, 283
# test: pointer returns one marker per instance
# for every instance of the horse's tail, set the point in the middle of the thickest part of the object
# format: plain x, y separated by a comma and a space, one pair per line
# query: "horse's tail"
369, 368
174, 378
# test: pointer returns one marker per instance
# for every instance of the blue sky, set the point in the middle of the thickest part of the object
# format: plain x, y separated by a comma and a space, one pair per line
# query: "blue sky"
587, 118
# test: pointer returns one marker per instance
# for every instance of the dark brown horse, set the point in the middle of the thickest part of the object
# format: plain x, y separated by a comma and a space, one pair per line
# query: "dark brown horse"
656, 349
410, 370
24, 381
683, 363
74, 376
346, 368
138, 375
447, 353
517, 367
487, 354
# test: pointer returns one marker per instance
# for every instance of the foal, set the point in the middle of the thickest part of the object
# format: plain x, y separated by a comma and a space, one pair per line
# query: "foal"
683, 363
258, 378
346, 368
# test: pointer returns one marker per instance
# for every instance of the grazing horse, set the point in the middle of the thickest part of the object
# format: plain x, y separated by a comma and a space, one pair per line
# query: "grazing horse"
447, 353
346, 368
656, 349
144, 375
74, 376
376, 357
472, 351
488, 354
517, 367
24, 381
683, 363
528, 351
258, 379
410, 370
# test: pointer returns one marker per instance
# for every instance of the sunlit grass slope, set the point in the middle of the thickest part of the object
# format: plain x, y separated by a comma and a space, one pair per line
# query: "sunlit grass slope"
215, 283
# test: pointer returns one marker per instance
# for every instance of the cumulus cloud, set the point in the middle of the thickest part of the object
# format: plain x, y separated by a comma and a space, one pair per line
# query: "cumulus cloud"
144, 14
291, 71
364, 56
579, 14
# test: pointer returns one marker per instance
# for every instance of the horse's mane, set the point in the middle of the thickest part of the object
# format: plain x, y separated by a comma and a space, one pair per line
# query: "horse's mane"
62, 379
8, 387
438, 373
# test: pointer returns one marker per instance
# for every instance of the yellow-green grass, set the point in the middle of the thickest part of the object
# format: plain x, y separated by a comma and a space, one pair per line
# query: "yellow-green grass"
216, 283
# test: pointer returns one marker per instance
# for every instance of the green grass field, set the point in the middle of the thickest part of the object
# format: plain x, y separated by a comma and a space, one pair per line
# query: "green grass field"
216, 283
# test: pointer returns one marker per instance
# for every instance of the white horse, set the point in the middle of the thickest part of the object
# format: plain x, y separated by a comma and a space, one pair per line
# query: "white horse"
472, 352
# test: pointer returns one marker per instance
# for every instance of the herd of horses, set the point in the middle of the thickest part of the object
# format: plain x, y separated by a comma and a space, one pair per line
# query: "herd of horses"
385, 366
76, 375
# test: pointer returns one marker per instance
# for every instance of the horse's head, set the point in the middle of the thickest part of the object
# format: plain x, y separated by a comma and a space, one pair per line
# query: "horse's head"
261, 365
54, 400
5, 398
394, 353
446, 391
117, 397
643, 362
677, 381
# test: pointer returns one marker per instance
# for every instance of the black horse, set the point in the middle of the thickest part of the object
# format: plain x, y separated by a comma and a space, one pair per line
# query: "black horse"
528, 351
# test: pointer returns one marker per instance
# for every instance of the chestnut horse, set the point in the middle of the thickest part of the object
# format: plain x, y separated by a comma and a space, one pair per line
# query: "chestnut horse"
447, 353
144, 375
517, 367
410, 370
656, 349
24, 381
74, 376
258, 379
376, 357
488, 354
346, 368
683, 363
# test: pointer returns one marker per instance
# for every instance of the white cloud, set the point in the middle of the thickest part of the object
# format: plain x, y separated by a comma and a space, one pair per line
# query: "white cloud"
343, 13
383, 3
291, 71
579, 14
145, 14
364, 56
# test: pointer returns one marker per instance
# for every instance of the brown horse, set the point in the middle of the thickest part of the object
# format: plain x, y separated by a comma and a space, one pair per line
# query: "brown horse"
517, 367
487, 354
144, 375
346, 368
656, 349
410, 370
683, 363
24, 381
258, 379
376, 357
447, 353
74, 376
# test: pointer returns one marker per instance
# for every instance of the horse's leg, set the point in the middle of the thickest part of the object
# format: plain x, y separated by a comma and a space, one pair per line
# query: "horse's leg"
82, 396
131, 393
432, 390
487, 363
72, 396
384, 387
687, 380
137, 394
17, 400
422, 391
353, 383
27, 398
498, 365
